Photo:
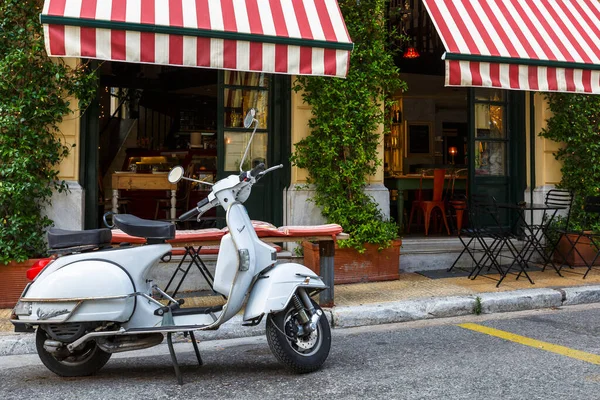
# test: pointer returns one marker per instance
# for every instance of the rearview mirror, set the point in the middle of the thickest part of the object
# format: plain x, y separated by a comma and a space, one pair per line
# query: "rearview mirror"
248, 120
249, 117
175, 174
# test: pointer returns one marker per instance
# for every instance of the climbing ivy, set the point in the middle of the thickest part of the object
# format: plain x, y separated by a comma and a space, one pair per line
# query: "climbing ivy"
341, 151
575, 124
34, 99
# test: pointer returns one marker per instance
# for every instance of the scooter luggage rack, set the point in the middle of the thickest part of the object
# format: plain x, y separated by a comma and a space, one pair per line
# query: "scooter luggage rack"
77, 249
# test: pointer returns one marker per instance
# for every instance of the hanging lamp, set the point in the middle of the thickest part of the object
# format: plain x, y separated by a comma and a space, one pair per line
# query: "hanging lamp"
411, 52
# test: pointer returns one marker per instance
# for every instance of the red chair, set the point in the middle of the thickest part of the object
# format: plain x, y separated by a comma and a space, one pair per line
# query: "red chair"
416, 204
428, 206
458, 204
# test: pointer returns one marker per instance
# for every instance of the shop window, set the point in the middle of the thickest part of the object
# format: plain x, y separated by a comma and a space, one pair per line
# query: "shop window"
490, 132
495, 95
245, 90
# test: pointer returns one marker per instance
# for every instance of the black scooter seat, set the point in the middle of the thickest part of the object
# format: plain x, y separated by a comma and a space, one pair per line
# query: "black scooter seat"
63, 239
145, 228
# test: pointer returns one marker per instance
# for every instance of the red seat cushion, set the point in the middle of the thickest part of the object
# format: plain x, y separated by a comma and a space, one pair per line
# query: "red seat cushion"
190, 236
118, 236
182, 236
263, 229
315, 230
197, 235
180, 251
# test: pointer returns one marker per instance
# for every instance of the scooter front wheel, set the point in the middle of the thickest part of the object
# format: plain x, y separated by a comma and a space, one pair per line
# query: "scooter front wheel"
86, 360
299, 353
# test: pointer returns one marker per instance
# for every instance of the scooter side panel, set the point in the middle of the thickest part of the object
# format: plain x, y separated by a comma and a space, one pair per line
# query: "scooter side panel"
227, 265
243, 237
137, 260
83, 279
273, 292
88, 283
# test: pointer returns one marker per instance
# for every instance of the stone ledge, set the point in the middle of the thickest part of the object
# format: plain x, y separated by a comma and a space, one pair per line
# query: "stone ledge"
519, 300
402, 311
581, 295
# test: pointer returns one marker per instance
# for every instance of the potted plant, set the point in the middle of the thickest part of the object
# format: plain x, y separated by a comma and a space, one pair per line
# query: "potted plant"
34, 98
341, 151
575, 124
573, 248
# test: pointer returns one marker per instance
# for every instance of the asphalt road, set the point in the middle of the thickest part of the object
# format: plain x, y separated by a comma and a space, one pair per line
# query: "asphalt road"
435, 359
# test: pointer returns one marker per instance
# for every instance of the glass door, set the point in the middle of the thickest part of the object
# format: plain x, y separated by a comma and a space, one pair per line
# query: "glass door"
241, 91
491, 136
497, 143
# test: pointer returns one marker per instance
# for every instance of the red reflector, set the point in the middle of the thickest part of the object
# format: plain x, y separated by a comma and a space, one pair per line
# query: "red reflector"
37, 268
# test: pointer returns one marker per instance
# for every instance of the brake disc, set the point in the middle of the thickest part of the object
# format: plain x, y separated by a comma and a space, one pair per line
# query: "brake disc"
307, 342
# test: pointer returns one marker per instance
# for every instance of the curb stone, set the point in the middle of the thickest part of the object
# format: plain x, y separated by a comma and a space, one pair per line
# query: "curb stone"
581, 295
402, 311
384, 313
17, 344
520, 300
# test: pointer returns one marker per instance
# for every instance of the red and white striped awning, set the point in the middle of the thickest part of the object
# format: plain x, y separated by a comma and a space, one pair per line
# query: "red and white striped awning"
303, 37
541, 45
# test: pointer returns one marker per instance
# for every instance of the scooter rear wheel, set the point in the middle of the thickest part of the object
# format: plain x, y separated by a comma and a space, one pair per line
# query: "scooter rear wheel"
84, 361
300, 354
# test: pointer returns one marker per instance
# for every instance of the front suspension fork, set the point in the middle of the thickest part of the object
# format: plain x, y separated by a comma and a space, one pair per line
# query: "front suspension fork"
308, 320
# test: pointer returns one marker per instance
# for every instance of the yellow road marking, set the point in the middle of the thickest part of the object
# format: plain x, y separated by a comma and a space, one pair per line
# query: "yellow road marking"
538, 344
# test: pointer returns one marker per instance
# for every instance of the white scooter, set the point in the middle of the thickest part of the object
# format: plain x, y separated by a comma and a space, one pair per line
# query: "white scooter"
97, 300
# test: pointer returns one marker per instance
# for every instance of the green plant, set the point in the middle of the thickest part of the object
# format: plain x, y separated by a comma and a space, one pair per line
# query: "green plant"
341, 151
477, 306
575, 124
299, 250
34, 98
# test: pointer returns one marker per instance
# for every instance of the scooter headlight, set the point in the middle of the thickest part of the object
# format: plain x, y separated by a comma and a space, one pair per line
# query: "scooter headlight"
244, 259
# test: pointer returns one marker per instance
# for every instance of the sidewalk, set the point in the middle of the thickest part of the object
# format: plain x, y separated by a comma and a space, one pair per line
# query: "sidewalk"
414, 296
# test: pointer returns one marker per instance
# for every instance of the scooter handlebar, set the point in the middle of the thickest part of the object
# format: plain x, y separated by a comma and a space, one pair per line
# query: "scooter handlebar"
257, 170
194, 211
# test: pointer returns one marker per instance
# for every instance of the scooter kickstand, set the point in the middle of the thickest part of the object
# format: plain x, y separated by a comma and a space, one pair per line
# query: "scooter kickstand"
196, 347
174, 359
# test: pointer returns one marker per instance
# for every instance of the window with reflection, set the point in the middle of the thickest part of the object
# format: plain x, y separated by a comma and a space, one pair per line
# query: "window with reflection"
490, 132
245, 90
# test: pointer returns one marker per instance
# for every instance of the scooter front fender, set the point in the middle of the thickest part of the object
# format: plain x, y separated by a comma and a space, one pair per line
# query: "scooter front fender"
273, 291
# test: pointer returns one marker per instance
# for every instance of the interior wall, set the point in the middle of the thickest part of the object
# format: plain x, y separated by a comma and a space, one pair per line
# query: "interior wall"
427, 100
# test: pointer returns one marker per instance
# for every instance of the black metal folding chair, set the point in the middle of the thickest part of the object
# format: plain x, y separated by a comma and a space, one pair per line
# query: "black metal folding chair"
467, 237
479, 242
503, 241
552, 227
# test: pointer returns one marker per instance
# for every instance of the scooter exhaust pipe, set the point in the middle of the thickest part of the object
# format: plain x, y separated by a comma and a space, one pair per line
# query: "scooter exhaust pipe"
118, 344
53, 346
56, 348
